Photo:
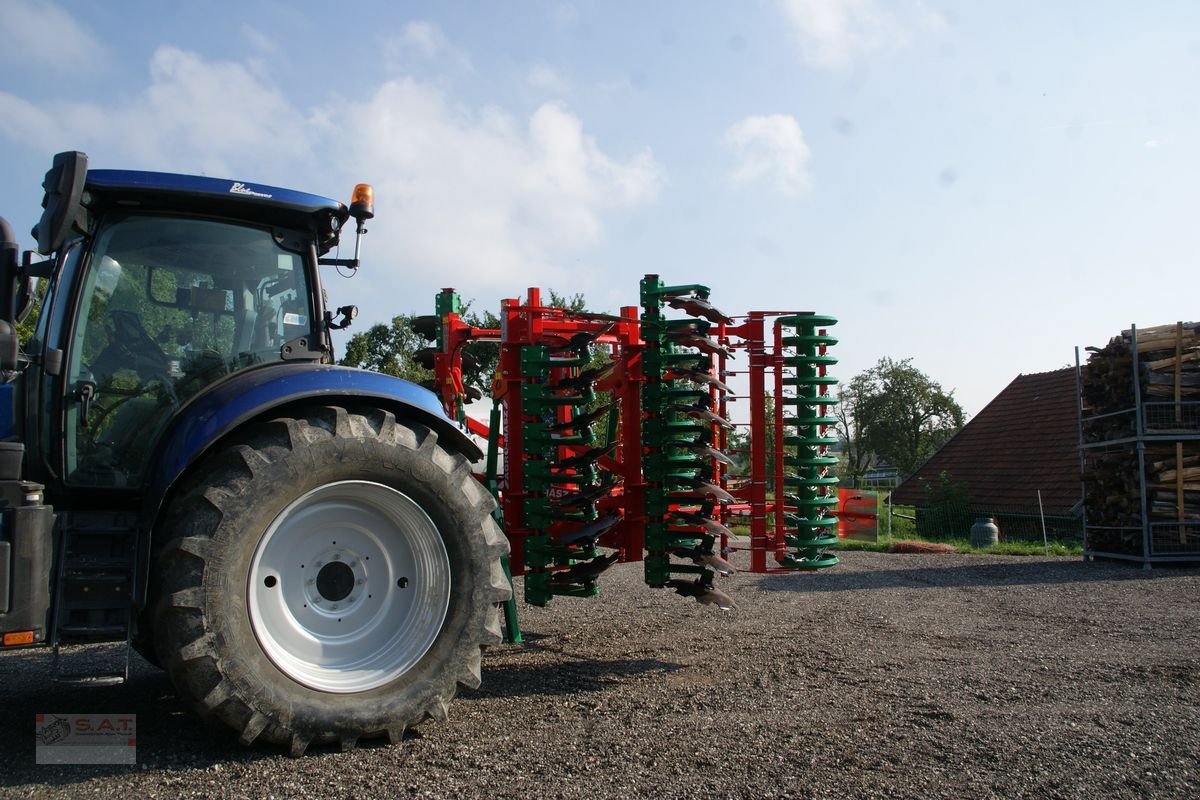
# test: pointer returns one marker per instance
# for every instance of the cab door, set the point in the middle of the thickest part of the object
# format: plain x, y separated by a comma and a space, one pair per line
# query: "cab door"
167, 307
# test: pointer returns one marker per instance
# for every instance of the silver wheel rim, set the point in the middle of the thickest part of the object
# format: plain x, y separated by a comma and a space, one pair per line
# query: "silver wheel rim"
349, 587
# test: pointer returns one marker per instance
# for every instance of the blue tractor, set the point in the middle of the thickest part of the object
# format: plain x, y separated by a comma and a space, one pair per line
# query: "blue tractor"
301, 546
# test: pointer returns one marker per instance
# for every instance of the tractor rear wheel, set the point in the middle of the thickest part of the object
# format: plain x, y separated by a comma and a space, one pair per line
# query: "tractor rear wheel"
326, 578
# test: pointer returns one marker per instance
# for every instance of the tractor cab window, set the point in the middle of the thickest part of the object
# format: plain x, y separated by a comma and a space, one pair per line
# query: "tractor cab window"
169, 307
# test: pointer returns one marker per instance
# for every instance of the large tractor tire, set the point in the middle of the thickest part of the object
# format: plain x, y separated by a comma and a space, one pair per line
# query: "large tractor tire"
327, 578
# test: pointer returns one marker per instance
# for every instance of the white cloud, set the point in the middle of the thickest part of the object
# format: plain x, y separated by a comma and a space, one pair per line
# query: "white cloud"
259, 40
193, 116
481, 201
22, 121
424, 41
210, 116
834, 33
42, 33
473, 198
544, 78
770, 148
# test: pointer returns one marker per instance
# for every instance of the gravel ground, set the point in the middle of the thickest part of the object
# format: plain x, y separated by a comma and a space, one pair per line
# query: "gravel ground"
887, 676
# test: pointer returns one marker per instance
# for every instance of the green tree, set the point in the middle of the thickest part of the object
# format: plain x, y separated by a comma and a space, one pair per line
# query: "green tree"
947, 508
739, 450
26, 327
390, 349
856, 450
897, 413
573, 303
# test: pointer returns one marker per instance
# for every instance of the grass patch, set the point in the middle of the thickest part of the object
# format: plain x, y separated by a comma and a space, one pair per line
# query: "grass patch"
904, 529
963, 546
1025, 549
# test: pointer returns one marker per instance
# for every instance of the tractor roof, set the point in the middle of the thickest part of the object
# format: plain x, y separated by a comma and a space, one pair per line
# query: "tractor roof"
161, 191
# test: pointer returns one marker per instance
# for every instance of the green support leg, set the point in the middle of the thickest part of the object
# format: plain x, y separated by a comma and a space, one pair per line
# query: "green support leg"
512, 630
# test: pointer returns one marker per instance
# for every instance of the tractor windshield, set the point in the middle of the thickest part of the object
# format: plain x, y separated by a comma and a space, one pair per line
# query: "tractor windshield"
170, 306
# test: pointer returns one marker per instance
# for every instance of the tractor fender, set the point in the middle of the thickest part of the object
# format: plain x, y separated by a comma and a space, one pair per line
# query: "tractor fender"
226, 406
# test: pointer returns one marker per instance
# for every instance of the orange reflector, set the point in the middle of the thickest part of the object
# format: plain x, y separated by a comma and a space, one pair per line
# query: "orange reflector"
18, 637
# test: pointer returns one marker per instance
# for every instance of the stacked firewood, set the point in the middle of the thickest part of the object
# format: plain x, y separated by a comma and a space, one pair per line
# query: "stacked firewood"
1169, 371
1168, 381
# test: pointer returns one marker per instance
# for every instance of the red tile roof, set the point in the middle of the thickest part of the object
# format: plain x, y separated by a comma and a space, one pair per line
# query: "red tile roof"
1026, 439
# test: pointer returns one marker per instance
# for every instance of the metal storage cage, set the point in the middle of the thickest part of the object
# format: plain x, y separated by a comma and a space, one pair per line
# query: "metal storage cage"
1162, 522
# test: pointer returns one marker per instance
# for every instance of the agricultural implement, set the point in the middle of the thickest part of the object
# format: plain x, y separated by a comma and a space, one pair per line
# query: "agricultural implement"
617, 437
304, 547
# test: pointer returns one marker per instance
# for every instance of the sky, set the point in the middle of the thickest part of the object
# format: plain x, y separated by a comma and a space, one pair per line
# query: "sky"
980, 187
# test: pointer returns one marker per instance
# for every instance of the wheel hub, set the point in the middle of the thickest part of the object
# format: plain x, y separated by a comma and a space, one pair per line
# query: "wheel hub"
336, 580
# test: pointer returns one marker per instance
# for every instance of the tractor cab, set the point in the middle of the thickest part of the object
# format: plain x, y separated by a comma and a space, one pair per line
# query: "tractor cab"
162, 286
167, 307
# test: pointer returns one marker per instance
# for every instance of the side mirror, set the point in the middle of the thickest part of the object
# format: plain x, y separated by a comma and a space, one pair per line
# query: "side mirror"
347, 313
61, 214
26, 295
8, 278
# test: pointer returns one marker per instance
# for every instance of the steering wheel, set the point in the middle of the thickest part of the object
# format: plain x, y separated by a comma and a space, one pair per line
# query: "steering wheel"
132, 348
146, 356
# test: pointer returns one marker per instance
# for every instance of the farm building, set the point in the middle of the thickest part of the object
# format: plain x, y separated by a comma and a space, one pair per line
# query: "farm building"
1025, 441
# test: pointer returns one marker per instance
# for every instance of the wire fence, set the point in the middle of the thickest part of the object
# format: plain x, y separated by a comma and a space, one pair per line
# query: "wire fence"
1017, 523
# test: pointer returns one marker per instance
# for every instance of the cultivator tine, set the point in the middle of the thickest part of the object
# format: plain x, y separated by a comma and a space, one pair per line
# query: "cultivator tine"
585, 572
425, 356
585, 458
582, 420
704, 593
563, 478
710, 416
698, 308
703, 448
701, 410
703, 343
580, 342
710, 525
698, 486
700, 376
718, 563
701, 555
588, 377
590, 532
581, 498
428, 326
690, 362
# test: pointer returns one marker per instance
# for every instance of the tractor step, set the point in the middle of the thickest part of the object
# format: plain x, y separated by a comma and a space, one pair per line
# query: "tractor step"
97, 664
97, 633
94, 594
